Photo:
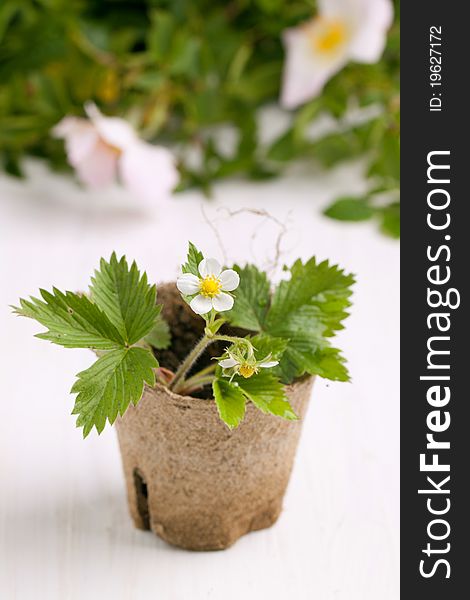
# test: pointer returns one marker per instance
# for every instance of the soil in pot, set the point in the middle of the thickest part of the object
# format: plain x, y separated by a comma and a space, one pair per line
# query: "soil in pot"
190, 479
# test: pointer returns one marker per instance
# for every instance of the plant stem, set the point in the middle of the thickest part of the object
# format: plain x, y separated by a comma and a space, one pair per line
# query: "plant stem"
196, 352
189, 385
190, 360
203, 372
197, 380
232, 338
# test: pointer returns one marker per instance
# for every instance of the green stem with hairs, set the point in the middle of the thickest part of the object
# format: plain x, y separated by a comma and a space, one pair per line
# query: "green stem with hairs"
190, 360
179, 378
198, 380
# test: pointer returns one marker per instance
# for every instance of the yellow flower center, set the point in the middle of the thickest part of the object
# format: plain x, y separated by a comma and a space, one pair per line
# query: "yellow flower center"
210, 286
247, 371
326, 35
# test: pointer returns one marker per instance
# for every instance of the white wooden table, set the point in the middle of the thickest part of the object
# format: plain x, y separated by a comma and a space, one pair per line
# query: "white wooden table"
64, 528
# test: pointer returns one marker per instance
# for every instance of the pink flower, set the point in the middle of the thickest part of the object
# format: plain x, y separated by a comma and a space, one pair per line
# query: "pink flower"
344, 30
102, 149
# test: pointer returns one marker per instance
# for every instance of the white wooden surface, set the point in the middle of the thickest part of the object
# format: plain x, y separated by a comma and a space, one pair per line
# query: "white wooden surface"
64, 528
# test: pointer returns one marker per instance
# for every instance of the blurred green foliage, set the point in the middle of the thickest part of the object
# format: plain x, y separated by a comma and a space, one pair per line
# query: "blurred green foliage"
177, 69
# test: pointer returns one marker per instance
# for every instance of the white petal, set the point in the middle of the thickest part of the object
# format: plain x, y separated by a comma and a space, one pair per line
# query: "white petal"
222, 302
188, 284
114, 131
335, 9
228, 363
148, 171
229, 280
268, 364
373, 22
306, 70
98, 168
67, 126
209, 266
80, 138
201, 304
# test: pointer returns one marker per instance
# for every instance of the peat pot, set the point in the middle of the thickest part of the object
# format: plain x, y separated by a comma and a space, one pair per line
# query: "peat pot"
195, 483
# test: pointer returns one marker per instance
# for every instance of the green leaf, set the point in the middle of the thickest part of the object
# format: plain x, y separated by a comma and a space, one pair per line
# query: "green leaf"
329, 363
390, 224
293, 365
124, 311
251, 299
285, 148
350, 209
305, 333
267, 393
108, 387
332, 149
73, 321
160, 33
11, 163
230, 402
265, 344
193, 260
294, 326
308, 282
184, 58
126, 298
160, 336
306, 310
387, 163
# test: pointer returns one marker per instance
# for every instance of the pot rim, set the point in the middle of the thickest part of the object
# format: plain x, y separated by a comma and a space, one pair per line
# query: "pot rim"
204, 402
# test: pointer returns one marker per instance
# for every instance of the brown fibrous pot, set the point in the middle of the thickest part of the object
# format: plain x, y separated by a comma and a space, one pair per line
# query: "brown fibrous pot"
193, 481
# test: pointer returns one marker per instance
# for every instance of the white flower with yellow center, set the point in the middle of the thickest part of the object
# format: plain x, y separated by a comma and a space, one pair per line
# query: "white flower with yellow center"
343, 30
210, 287
246, 368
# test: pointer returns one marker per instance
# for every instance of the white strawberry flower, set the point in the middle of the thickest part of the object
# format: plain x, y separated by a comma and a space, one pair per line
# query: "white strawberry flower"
209, 289
102, 149
343, 31
246, 367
